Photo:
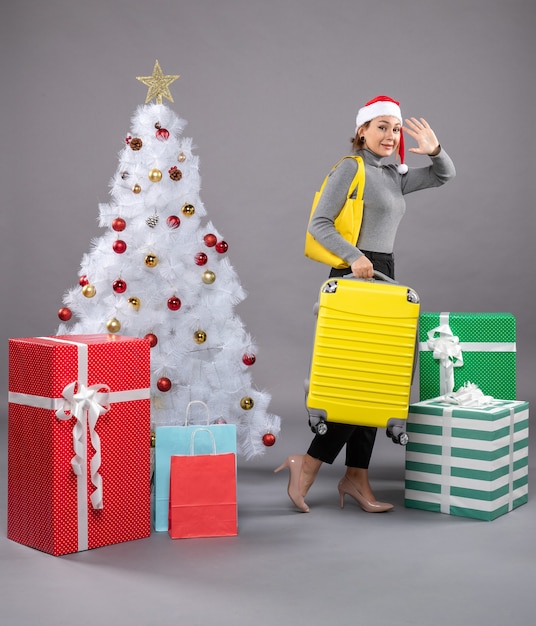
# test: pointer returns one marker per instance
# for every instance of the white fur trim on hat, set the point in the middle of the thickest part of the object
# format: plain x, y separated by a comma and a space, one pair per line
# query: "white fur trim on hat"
376, 109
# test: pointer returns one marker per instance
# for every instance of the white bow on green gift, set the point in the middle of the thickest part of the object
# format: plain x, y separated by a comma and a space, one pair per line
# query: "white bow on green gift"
447, 350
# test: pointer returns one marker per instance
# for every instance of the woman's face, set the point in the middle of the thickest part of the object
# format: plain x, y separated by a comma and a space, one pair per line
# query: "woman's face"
382, 135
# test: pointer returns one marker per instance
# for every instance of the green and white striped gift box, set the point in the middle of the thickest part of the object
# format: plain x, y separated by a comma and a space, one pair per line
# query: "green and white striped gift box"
469, 462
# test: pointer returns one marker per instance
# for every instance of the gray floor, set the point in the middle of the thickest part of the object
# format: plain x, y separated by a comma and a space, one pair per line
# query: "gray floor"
330, 566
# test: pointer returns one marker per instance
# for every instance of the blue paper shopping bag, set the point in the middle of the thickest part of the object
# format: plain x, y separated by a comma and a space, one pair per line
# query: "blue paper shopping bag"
175, 440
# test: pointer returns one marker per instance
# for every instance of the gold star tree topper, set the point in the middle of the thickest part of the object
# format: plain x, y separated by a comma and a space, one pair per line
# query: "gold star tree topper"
158, 84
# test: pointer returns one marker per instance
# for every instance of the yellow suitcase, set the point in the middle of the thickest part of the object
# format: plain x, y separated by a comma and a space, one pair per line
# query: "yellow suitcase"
363, 355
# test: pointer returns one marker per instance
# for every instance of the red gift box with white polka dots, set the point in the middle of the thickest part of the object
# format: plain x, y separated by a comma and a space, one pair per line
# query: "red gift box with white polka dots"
78, 441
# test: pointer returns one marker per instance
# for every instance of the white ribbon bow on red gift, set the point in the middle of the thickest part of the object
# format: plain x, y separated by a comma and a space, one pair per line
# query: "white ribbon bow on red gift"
86, 404
446, 348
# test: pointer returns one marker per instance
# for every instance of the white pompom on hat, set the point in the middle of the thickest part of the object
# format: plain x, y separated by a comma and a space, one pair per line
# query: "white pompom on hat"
378, 106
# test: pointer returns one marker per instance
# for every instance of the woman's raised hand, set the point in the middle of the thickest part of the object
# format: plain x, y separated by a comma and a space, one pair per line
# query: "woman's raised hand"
425, 137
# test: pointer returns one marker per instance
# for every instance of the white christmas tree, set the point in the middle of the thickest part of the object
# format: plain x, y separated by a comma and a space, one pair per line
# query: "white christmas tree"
162, 272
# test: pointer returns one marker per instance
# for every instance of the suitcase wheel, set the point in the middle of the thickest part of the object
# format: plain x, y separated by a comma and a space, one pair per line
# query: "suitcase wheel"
319, 428
397, 433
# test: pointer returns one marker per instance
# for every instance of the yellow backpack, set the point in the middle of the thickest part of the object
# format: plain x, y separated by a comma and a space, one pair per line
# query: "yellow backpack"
347, 223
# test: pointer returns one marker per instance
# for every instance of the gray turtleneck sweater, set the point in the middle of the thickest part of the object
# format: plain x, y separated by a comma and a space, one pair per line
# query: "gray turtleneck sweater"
384, 203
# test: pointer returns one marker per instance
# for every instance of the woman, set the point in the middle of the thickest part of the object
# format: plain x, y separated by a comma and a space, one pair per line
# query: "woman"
379, 134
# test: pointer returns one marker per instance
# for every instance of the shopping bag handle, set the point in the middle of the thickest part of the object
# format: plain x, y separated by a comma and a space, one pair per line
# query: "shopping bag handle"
188, 411
192, 440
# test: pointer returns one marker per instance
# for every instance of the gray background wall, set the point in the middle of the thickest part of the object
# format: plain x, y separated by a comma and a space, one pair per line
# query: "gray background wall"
270, 91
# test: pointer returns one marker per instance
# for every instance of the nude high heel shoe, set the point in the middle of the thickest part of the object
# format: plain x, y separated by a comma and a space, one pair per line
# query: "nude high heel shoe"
346, 487
294, 464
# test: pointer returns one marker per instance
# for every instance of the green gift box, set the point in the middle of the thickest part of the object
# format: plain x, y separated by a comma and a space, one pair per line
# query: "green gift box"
456, 348
469, 462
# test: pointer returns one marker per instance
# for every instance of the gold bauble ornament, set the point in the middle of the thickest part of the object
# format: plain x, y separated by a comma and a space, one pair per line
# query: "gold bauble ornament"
113, 325
181, 158
246, 403
134, 302
188, 209
136, 188
89, 291
208, 277
151, 260
200, 336
153, 440
155, 175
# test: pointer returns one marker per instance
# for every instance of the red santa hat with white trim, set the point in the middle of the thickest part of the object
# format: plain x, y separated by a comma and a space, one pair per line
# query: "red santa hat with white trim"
378, 106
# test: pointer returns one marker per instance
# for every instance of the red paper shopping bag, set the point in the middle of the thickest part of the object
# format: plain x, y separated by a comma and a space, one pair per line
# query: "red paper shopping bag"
202, 493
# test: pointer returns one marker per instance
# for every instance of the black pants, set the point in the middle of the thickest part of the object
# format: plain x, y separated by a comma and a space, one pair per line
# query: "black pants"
359, 440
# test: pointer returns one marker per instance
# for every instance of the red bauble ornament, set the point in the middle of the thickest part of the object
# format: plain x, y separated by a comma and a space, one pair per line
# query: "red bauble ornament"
164, 384
174, 304
83, 280
65, 314
173, 221
249, 359
201, 258
222, 247
152, 339
119, 286
118, 224
268, 439
210, 240
119, 246
162, 134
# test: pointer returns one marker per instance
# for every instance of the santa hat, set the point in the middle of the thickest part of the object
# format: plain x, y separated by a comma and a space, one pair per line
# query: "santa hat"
383, 105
